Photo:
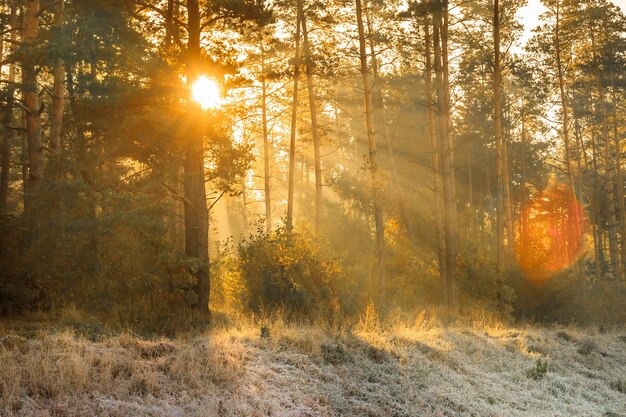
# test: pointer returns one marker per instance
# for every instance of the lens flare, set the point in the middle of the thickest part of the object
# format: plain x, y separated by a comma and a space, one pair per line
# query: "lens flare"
206, 92
551, 234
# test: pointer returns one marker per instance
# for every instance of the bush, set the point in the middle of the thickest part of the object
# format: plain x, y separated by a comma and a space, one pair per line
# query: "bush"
288, 270
538, 371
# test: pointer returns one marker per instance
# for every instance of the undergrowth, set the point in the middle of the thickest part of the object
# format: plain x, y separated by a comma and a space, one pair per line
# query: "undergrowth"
393, 364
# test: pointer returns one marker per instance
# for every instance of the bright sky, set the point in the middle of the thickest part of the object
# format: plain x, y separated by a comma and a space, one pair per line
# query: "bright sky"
534, 8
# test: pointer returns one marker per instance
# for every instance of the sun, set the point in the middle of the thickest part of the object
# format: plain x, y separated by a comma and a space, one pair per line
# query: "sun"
206, 92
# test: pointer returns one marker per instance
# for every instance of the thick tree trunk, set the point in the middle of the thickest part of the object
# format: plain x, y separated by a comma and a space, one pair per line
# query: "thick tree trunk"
58, 90
25, 173
373, 168
7, 121
435, 164
314, 124
32, 104
293, 133
196, 212
169, 23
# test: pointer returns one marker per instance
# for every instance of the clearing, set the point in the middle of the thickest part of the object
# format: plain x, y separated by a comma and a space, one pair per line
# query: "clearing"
419, 369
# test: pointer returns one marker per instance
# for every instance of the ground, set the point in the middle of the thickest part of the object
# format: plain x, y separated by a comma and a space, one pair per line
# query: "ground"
418, 368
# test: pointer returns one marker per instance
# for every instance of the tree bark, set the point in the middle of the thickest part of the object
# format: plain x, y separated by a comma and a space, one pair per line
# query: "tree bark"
440, 35
509, 220
267, 153
383, 125
294, 122
435, 164
564, 100
32, 105
616, 266
620, 177
58, 90
497, 106
169, 23
596, 211
373, 168
7, 122
196, 212
314, 124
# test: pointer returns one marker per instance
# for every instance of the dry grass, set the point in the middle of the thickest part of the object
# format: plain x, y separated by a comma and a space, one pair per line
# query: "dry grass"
406, 367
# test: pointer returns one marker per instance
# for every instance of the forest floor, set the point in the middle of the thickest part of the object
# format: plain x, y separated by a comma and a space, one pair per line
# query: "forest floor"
406, 369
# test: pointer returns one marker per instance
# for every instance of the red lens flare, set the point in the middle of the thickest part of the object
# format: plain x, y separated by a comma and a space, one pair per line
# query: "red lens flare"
551, 234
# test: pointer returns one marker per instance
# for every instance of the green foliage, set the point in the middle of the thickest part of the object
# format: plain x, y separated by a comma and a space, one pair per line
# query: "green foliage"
98, 249
478, 280
294, 271
570, 296
538, 371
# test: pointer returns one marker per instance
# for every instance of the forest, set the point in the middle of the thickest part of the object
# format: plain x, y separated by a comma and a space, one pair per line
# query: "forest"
311, 171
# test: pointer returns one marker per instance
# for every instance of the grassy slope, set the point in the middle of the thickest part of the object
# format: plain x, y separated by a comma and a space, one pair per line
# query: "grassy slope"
307, 371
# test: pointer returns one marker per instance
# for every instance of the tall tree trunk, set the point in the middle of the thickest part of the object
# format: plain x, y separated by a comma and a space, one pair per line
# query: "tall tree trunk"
373, 168
169, 23
32, 104
267, 153
7, 122
58, 89
25, 173
595, 210
314, 125
383, 125
564, 101
497, 106
620, 177
440, 32
508, 205
196, 212
581, 154
616, 266
293, 133
449, 175
435, 164
523, 224
244, 205
566, 117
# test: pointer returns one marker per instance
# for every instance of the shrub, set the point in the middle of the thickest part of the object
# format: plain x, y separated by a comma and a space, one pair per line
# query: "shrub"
289, 270
538, 371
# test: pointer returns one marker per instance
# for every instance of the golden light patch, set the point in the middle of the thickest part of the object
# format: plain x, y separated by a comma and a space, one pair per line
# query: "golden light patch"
551, 232
206, 92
